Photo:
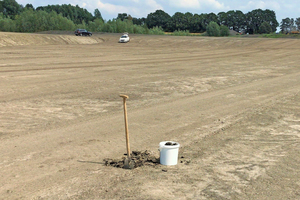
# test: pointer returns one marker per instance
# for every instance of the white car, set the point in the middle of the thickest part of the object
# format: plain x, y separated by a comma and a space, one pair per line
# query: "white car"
124, 38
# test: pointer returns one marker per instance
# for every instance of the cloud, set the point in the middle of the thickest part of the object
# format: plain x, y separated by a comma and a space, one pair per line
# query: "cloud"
152, 4
198, 4
185, 3
111, 8
262, 5
135, 8
215, 4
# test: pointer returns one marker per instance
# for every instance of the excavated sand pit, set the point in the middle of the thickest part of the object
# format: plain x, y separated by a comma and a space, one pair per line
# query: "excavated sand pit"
233, 105
139, 158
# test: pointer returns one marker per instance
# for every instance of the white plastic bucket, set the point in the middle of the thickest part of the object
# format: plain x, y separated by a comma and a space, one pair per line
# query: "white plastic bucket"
169, 153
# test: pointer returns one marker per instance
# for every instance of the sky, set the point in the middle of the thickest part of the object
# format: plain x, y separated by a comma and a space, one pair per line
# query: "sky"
141, 8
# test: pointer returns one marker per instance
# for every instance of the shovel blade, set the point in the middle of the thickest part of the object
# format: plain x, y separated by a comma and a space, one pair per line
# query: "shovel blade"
128, 163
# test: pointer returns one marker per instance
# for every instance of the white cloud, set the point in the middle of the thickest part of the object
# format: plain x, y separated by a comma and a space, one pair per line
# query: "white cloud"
152, 4
185, 3
262, 5
135, 8
215, 4
198, 4
143, 8
111, 8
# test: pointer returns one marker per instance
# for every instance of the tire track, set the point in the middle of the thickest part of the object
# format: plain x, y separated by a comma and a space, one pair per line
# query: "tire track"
75, 144
128, 62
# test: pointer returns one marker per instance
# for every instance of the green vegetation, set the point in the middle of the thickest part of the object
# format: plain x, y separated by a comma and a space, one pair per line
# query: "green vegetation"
7, 24
17, 18
181, 33
195, 23
74, 13
213, 29
281, 35
289, 25
156, 31
34, 21
265, 28
119, 26
224, 31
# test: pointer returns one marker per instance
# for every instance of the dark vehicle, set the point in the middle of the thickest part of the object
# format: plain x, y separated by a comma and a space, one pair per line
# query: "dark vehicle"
81, 32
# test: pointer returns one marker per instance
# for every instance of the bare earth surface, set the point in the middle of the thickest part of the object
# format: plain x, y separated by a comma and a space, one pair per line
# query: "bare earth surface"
233, 104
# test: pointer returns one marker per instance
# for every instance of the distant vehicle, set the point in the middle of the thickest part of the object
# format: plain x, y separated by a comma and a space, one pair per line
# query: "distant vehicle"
295, 32
124, 38
81, 32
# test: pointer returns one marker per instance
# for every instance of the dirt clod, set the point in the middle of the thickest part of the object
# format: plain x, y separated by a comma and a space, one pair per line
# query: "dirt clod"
139, 158
171, 144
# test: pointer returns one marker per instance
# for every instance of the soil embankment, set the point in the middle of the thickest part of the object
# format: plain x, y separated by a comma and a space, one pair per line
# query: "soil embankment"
21, 39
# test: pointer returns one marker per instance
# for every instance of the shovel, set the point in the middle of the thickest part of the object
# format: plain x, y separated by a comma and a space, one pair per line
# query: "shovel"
128, 163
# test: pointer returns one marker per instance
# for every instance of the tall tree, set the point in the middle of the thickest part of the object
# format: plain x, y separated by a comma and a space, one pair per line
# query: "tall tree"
240, 20
256, 17
270, 17
75, 13
129, 17
297, 22
222, 18
265, 27
97, 14
29, 6
254, 20
178, 22
122, 16
10, 8
211, 17
188, 20
158, 18
213, 29
285, 25
139, 21
197, 24
230, 19
224, 31
292, 25
235, 20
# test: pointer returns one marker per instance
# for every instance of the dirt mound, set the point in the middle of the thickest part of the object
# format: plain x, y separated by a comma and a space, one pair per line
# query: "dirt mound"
20, 39
139, 158
232, 32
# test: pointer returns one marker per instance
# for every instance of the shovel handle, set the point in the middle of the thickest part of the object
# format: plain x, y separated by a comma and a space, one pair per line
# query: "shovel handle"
126, 124
124, 96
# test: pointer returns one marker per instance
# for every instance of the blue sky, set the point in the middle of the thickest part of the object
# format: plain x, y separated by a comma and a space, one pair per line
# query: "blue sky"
141, 8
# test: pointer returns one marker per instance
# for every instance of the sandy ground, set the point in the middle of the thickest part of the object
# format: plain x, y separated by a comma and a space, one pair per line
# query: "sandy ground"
233, 104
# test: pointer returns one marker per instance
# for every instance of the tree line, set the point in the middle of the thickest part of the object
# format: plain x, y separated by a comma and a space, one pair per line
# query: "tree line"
19, 18
290, 25
251, 22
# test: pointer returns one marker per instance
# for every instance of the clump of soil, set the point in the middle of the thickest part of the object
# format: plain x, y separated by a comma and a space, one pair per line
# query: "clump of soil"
139, 158
171, 144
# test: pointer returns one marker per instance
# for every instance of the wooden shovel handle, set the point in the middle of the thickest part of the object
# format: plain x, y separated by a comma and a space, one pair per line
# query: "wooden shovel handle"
124, 96
126, 124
